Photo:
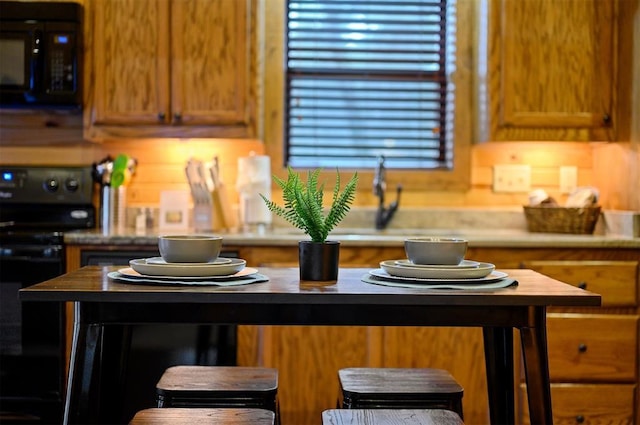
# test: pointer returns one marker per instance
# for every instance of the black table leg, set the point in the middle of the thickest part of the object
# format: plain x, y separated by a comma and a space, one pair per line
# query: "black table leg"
97, 372
80, 401
536, 368
116, 341
498, 353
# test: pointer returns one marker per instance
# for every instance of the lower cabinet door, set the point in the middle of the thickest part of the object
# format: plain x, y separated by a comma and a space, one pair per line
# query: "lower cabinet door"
583, 404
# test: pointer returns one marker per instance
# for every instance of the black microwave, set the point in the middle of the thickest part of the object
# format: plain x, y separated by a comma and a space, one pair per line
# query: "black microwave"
40, 54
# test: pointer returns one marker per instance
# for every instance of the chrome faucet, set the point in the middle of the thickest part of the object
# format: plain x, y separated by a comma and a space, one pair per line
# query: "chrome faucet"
383, 214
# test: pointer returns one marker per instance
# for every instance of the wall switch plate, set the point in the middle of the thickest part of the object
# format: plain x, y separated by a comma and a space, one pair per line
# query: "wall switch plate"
568, 179
511, 178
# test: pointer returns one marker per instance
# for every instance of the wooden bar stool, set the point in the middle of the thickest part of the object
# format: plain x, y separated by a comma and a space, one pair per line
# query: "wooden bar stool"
390, 417
218, 386
398, 388
181, 416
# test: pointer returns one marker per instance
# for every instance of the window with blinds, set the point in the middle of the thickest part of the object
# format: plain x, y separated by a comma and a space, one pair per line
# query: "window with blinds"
368, 78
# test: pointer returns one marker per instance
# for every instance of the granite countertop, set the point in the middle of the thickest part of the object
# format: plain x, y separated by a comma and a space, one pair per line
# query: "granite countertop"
365, 237
485, 227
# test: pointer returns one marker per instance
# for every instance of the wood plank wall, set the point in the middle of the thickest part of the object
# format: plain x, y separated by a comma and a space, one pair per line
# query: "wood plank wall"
161, 167
612, 167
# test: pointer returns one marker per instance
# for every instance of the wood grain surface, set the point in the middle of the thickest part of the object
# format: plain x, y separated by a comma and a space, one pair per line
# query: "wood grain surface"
201, 416
284, 348
163, 68
390, 417
554, 69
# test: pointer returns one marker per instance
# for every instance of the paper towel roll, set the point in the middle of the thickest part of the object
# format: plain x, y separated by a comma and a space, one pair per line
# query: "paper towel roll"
254, 179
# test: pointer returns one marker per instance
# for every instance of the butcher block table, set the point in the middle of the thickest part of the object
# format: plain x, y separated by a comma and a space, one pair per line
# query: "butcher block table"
104, 307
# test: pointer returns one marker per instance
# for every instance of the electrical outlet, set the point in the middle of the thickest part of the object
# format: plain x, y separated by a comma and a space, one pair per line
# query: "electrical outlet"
568, 179
511, 178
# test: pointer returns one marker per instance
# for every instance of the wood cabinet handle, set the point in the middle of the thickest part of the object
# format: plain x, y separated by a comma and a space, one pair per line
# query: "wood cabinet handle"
582, 348
177, 117
161, 116
606, 118
582, 285
579, 419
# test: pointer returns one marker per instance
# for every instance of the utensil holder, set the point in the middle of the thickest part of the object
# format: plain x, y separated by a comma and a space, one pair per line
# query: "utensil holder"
113, 204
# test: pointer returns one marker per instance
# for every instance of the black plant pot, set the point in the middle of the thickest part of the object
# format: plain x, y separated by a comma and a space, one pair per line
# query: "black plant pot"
319, 261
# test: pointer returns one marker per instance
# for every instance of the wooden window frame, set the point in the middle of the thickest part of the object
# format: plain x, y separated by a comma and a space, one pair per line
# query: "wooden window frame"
457, 179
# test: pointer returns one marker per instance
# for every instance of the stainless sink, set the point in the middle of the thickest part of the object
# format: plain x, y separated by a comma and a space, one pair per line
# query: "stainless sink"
389, 232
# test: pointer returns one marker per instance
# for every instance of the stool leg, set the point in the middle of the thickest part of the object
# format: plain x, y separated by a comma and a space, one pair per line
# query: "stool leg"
203, 337
224, 337
458, 408
227, 341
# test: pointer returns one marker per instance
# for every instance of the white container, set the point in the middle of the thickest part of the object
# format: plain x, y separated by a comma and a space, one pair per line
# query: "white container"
254, 179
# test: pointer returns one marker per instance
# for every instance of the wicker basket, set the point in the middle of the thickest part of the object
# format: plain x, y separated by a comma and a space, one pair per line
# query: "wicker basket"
562, 220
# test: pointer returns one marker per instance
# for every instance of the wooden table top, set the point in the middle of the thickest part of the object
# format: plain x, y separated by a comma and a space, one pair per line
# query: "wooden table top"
91, 284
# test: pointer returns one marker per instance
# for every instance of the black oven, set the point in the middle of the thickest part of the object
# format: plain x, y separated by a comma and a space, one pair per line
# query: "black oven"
37, 204
40, 54
31, 335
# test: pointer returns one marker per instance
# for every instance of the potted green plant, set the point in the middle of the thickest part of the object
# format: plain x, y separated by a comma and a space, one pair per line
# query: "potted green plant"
303, 207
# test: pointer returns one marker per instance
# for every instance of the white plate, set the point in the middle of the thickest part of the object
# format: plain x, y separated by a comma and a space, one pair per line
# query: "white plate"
187, 269
243, 277
481, 285
218, 261
131, 273
465, 264
401, 272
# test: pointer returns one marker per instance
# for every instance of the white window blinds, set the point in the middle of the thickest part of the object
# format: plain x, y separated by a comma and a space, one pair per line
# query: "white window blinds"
369, 77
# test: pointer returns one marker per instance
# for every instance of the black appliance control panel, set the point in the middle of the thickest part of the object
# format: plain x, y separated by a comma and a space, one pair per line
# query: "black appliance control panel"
45, 185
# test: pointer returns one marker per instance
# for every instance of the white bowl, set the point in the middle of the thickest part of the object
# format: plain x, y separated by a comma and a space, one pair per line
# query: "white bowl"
435, 250
189, 248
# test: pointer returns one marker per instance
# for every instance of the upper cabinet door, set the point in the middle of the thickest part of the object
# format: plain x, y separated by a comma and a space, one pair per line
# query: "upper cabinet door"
172, 68
129, 76
210, 60
552, 69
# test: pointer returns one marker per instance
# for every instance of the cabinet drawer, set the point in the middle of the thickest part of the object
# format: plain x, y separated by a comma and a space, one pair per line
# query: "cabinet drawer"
587, 404
592, 348
616, 281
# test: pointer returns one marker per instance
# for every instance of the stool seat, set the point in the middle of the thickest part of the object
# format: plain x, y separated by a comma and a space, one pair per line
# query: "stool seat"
196, 416
218, 386
390, 417
398, 388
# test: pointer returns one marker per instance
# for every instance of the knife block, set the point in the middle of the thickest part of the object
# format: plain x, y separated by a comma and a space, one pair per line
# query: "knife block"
208, 217
203, 217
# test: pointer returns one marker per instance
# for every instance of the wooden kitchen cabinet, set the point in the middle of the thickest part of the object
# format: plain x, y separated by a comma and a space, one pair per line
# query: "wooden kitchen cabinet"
171, 68
552, 70
598, 404
600, 384
593, 353
305, 390
40, 127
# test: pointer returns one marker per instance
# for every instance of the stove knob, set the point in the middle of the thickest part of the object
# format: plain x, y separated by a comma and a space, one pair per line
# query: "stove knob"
72, 184
51, 184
